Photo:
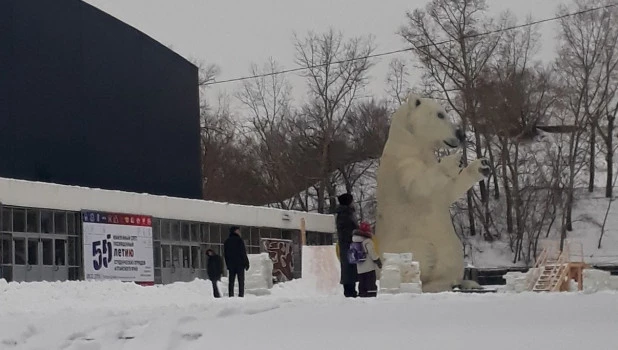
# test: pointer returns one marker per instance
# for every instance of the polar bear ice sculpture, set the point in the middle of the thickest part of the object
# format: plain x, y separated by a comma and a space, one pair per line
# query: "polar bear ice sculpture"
415, 191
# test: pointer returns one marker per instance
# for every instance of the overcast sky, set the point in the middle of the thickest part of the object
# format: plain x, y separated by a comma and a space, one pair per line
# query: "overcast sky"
235, 33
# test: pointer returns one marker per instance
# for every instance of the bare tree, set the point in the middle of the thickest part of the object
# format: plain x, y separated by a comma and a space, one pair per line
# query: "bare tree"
268, 100
207, 73
579, 63
336, 71
609, 206
219, 130
446, 41
397, 84
589, 57
514, 95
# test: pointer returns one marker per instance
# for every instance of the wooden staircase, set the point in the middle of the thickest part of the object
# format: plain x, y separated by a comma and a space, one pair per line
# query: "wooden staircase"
551, 278
554, 268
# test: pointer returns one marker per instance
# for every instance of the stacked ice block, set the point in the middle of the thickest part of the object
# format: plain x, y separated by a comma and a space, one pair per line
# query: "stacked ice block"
400, 274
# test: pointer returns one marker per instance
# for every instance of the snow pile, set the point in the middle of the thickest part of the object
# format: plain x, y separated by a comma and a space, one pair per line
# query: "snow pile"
594, 281
115, 315
599, 280
73, 296
400, 274
259, 278
518, 282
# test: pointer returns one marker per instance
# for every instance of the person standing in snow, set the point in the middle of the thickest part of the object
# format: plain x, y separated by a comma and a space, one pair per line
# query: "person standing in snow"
346, 223
236, 259
367, 287
214, 270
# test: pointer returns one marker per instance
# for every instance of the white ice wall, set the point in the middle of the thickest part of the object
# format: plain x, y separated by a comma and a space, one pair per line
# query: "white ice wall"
74, 198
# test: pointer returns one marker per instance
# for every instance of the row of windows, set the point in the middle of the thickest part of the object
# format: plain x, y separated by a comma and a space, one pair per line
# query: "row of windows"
34, 251
40, 221
188, 256
194, 256
183, 231
196, 238
32, 220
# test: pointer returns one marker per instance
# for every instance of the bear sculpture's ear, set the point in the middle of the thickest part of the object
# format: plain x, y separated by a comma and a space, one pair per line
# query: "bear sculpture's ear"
413, 99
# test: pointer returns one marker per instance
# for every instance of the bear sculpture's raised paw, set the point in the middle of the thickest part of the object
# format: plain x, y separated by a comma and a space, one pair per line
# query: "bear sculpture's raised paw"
482, 165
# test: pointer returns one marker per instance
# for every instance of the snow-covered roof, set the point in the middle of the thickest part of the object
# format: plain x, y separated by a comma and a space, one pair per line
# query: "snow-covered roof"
74, 198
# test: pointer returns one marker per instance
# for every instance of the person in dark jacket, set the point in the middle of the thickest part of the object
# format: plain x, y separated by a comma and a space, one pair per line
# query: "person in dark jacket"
214, 270
346, 224
236, 259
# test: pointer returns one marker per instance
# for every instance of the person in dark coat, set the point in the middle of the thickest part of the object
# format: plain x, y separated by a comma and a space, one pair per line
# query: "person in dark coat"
214, 270
236, 259
346, 224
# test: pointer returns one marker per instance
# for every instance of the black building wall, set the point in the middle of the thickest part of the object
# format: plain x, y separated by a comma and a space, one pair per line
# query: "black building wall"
88, 100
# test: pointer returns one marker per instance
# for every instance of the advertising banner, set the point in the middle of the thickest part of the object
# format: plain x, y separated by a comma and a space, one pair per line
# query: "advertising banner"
280, 252
118, 246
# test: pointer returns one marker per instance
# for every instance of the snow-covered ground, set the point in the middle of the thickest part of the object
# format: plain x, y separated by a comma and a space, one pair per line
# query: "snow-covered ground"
114, 315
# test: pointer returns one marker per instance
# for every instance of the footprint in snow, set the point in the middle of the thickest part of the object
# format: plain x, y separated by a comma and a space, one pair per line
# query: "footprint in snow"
25, 335
261, 309
228, 311
132, 331
186, 333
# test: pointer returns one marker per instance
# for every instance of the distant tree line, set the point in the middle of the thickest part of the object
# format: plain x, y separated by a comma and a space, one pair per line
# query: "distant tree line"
548, 128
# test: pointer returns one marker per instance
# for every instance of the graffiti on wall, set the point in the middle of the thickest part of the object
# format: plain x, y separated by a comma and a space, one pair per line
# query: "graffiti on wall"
280, 252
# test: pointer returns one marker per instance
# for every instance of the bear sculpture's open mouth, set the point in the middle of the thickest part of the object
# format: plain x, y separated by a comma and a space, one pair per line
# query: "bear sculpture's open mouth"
448, 144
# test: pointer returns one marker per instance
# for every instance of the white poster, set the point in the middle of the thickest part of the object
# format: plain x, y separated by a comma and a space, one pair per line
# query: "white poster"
118, 246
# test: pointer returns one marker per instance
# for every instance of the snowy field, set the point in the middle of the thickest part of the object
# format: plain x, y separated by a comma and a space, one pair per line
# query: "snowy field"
113, 315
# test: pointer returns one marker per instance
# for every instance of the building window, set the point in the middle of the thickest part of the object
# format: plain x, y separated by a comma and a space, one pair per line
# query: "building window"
156, 229
6, 249
19, 220
276, 233
20, 251
73, 251
33, 251
286, 235
255, 236
47, 221
48, 251
215, 233
175, 229
195, 233
72, 223
166, 258
60, 222
157, 254
7, 220
186, 257
264, 232
166, 234
176, 251
185, 232
32, 221
60, 248
205, 233
195, 257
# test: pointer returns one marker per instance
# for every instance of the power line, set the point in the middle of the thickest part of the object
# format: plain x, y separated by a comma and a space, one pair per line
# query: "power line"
387, 53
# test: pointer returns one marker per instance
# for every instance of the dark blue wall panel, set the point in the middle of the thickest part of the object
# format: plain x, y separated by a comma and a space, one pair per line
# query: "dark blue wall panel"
88, 100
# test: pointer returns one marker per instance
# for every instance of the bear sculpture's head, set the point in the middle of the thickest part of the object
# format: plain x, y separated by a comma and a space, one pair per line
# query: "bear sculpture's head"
428, 122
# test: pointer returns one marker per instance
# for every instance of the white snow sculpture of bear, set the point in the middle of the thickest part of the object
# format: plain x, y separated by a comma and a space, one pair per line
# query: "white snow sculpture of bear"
415, 191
